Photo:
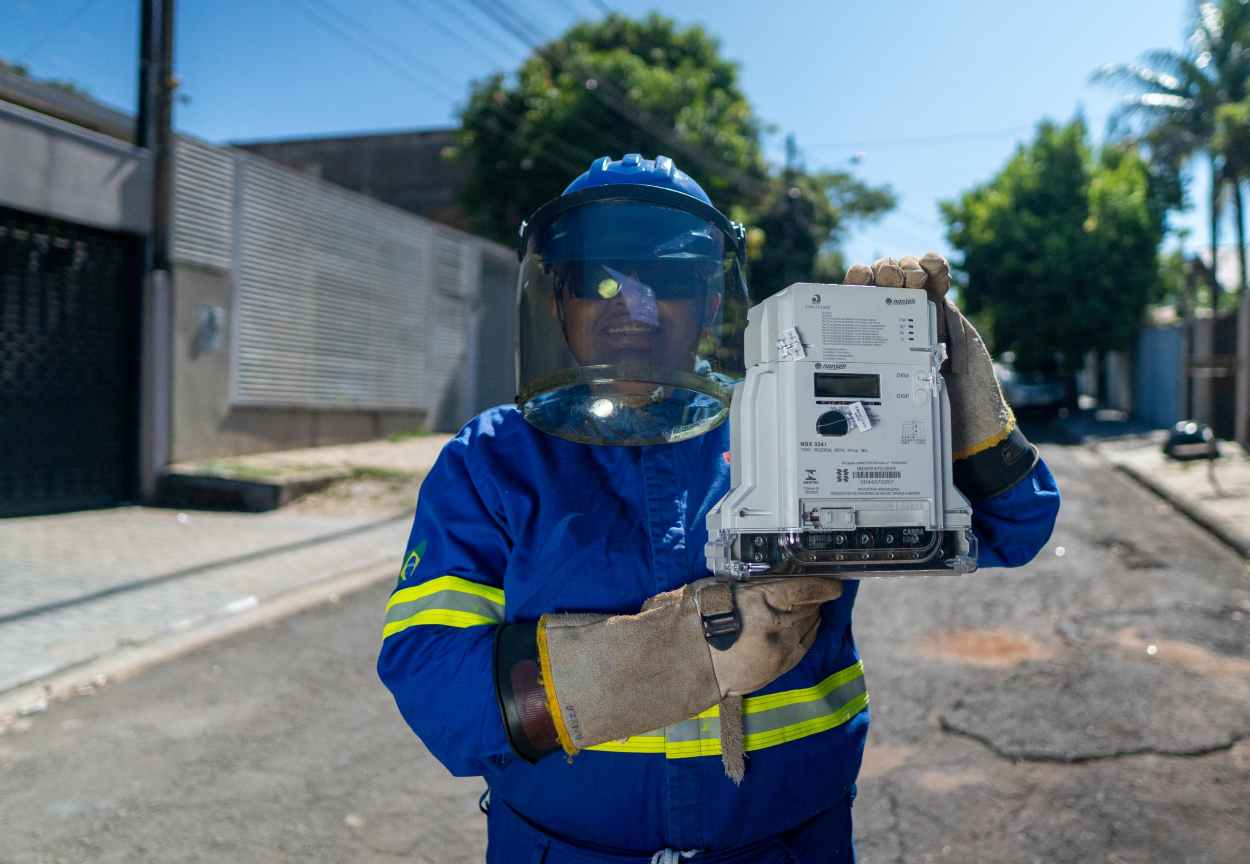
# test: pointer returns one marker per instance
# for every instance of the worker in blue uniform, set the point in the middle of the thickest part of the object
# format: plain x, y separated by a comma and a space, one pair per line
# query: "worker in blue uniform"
549, 630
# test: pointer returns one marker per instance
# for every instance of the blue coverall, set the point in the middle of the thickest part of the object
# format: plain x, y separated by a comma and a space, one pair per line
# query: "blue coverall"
513, 523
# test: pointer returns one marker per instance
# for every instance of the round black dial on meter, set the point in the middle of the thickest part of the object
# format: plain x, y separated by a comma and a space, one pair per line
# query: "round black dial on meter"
833, 423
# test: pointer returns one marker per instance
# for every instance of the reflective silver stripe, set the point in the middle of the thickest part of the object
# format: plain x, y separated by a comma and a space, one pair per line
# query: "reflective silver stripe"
770, 719
457, 601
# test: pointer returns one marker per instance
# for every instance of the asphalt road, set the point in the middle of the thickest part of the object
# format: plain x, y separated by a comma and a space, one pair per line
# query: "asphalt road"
1094, 706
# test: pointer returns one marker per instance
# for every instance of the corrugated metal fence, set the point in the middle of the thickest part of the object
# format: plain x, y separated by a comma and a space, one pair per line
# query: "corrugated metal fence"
341, 302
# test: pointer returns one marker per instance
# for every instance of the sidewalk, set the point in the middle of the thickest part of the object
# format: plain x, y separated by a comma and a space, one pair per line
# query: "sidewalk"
78, 586
1215, 495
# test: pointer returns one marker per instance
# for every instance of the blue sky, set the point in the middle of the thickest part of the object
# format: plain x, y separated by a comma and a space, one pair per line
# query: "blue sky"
931, 98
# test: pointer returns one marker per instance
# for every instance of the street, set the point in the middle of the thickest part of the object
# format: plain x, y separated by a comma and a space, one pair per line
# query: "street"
1093, 706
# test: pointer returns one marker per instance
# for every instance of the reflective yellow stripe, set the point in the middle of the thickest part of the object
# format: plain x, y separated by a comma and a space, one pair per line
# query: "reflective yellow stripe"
755, 704
634, 744
445, 617
449, 601
446, 583
826, 705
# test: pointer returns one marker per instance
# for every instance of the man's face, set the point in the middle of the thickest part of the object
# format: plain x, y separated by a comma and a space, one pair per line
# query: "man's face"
625, 322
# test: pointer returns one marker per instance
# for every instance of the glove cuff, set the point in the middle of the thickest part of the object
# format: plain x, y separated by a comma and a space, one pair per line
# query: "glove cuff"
549, 691
996, 465
519, 687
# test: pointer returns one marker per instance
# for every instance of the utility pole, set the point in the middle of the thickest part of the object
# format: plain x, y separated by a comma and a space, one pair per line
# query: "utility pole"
790, 270
1241, 422
154, 132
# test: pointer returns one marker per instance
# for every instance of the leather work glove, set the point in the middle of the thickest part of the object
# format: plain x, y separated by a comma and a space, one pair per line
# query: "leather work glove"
573, 681
990, 452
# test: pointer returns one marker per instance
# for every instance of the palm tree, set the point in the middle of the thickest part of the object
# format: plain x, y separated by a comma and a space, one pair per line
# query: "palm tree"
1175, 102
1232, 138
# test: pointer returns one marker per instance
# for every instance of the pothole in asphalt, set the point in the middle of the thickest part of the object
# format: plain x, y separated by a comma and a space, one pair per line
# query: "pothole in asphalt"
1103, 702
988, 648
883, 758
1132, 556
949, 780
1220, 633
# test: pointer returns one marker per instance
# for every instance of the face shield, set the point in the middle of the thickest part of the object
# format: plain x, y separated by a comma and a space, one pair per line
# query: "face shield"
632, 311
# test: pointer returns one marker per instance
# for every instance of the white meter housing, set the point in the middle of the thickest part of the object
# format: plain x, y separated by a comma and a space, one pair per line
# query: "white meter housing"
840, 442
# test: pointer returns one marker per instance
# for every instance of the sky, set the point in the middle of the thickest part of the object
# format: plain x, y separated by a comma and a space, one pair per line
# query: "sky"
930, 98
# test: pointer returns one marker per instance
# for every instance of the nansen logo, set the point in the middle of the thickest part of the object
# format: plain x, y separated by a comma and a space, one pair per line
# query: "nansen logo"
901, 301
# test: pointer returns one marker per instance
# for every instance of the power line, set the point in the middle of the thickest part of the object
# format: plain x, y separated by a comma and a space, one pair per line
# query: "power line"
397, 59
396, 50
929, 139
582, 155
579, 156
478, 32
609, 95
568, 6
331, 27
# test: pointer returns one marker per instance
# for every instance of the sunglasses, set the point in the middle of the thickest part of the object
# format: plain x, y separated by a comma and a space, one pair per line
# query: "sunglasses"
674, 279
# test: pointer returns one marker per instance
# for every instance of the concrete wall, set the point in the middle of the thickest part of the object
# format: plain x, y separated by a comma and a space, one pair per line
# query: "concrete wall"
205, 424
53, 168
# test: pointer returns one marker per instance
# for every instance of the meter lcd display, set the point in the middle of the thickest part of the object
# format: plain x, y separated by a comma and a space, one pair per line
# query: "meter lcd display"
841, 385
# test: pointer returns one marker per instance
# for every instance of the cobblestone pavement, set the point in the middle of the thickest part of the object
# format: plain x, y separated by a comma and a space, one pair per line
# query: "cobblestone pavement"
1093, 706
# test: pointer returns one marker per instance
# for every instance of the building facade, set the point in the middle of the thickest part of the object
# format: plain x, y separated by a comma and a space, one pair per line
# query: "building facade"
297, 313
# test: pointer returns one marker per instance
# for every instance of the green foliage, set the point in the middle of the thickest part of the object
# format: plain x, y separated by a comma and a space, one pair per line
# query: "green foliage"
803, 218
1232, 135
1182, 104
1170, 287
621, 85
1059, 248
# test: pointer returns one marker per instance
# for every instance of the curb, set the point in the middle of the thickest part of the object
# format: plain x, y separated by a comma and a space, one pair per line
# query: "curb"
214, 492
32, 699
1235, 539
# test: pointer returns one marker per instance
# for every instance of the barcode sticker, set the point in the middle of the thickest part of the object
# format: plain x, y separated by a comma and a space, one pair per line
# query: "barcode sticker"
877, 474
859, 417
790, 346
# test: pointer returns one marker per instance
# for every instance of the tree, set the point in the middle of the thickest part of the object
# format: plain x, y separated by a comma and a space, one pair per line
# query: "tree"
1176, 98
621, 85
1232, 139
1060, 248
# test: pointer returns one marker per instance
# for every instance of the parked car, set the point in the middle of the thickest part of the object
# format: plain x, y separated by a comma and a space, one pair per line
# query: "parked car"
1040, 391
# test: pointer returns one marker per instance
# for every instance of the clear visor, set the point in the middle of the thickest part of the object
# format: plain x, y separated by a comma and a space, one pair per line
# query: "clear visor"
631, 325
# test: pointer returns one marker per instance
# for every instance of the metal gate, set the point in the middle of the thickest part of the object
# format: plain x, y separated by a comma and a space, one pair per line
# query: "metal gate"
69, 376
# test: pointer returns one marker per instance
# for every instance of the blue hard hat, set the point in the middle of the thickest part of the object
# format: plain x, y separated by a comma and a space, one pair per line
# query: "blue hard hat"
633, 169
673, 199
